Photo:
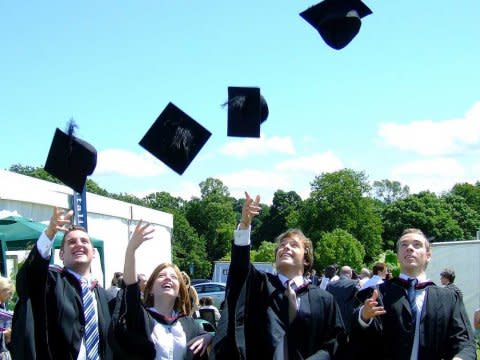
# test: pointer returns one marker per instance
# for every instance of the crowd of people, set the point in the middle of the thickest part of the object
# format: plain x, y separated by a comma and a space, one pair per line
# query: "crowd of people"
63, 313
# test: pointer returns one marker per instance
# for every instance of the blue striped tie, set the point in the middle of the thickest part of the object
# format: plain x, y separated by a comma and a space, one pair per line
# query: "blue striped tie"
91, 324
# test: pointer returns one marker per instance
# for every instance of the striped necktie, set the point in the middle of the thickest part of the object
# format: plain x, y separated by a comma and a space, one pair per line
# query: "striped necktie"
91, 324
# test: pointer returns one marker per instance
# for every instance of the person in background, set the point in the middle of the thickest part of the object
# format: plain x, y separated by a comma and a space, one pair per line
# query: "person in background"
330, 274
380, 272
363, 277
447, 277
116, 284
207, 303
476, 322
7, 289
409, 317
160, 327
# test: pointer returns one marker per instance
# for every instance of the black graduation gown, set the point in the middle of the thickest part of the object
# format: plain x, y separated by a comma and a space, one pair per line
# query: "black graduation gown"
445, 330
132, 326
254, 324
57, 309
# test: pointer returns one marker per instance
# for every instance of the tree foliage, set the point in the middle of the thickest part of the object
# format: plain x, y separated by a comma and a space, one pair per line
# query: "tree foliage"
424, 211
338, 201
345, 223
338, 247
389, 191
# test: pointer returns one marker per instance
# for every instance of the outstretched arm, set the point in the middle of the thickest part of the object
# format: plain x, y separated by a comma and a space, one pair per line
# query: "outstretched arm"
143, 232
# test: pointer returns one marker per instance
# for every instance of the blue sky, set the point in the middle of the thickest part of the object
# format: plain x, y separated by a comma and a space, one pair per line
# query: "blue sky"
400, 102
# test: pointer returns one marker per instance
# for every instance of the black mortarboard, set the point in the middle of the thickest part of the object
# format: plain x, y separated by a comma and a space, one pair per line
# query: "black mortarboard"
337, 21
247, 109
175, 138
71, 159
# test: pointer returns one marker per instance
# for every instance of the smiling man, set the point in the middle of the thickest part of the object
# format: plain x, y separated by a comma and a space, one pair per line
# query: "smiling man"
410, 317
71, 313
275, 316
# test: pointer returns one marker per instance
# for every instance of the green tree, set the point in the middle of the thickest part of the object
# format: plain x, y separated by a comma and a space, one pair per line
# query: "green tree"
424, 211
264, 253
388, 191
339, 200
188, 249
471, 194
163, 200
213, 218
340, 247
467, 218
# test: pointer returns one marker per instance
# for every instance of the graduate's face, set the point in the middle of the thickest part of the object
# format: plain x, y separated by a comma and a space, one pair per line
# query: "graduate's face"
413, 254
290, 256
77, 251
167, 283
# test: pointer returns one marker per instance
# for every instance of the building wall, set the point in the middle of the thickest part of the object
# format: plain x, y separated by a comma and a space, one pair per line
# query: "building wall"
109, 220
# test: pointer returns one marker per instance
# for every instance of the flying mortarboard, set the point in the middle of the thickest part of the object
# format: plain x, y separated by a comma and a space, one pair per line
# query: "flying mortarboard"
247, 109
71, 159
337, 21
175, 138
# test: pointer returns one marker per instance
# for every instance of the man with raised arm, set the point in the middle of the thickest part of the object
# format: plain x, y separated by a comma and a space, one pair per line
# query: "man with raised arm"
71, 312
275, 316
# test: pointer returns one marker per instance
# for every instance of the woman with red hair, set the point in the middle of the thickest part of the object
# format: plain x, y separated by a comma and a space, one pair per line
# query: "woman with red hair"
161, 327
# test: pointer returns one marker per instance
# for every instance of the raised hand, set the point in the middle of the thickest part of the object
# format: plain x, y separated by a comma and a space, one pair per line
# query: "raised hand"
249, 211
143, 232
371, 309
59, 219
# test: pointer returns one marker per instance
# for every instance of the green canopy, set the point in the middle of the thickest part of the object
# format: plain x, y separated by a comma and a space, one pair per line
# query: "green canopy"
20, 233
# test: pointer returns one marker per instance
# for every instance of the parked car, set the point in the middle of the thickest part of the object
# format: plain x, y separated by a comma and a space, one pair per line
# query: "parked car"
214, 289
199, 281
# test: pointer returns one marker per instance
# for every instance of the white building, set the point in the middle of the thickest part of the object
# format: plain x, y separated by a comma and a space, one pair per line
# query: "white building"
109, 220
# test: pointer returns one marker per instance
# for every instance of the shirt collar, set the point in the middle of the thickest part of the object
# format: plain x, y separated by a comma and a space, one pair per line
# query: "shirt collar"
298, 280
421, 278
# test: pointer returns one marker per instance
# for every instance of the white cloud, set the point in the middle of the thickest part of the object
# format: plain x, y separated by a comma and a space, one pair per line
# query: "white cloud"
315, 164
262, 146
435, 138
122, 162
438, 174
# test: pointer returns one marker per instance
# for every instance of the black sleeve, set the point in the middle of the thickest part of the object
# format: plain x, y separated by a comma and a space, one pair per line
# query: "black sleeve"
129, 334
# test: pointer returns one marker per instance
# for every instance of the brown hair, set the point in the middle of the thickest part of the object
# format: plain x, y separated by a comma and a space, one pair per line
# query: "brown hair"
307, 244
71, 228
378, 267
182, 302
414, 231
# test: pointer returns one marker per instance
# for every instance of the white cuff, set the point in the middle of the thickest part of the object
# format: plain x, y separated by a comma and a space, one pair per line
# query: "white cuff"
241, 237
362, 323
44, 246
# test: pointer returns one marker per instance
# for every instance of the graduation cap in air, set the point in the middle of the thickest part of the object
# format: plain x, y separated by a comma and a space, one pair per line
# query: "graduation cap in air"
71, 159
247, 109
337, 21
175, 138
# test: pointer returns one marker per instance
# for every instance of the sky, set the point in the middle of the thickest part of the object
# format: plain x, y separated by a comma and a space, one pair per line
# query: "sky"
400, 102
